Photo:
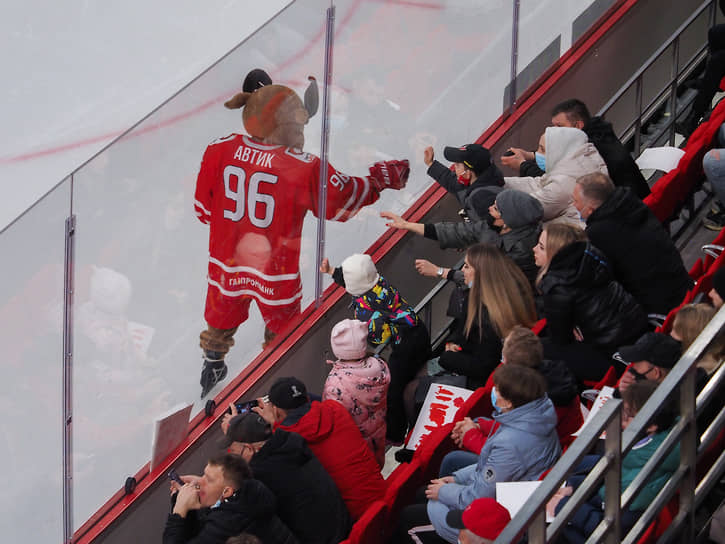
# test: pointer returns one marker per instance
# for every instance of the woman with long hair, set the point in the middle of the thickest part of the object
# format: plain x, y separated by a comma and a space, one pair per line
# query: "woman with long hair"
588, 314
499, 298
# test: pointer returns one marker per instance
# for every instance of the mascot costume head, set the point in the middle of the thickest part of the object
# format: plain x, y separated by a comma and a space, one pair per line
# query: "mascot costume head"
274, 114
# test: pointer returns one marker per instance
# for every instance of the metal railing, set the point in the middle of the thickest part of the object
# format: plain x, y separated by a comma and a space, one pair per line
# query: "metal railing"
683, 482
668, 91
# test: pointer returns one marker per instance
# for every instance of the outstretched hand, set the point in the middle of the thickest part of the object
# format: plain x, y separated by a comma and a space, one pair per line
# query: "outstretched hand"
325, 267
396, 221
428, 155
389, 174
426, 268
228, 417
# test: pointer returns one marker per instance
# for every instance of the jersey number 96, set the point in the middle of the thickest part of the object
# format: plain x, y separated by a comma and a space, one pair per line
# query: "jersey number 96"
253, 196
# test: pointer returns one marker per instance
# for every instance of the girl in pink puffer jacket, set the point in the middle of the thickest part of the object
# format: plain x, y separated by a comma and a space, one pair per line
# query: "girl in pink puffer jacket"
359, 382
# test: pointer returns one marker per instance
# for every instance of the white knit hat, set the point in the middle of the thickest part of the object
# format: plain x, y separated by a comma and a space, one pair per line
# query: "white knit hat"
359, 273
349, 339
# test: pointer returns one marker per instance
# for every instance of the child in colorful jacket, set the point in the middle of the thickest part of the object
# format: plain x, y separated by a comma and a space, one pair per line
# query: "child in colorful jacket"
389, 318
359, 382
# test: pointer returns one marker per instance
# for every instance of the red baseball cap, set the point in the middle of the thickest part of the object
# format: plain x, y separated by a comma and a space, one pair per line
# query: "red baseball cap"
483, 517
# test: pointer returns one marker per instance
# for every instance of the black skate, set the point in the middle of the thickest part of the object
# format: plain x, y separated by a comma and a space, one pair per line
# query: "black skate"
213, 371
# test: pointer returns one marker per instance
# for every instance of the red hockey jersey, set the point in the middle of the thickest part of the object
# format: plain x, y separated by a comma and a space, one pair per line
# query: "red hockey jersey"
254, 197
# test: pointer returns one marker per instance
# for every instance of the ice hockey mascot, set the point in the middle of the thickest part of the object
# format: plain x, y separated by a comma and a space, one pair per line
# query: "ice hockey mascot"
253, 190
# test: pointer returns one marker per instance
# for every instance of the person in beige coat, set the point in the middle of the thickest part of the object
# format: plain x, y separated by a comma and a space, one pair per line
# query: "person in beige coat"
566, 155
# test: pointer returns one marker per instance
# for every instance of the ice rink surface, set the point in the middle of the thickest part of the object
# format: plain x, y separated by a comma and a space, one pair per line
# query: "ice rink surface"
406, 74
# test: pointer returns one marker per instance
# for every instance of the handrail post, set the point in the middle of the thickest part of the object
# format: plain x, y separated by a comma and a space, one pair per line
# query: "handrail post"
613, 480
68, 288
638, 122
688, 454
673, 87
537, 529
514, 55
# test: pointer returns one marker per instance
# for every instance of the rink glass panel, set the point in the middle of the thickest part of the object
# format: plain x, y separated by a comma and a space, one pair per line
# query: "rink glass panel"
408, 75
141, 259
31, 333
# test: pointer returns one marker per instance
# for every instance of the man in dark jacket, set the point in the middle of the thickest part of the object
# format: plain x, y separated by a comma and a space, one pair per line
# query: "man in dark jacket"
474, 170
514, 228
307, 500
641, 253
224, 502
333, 437
574, 113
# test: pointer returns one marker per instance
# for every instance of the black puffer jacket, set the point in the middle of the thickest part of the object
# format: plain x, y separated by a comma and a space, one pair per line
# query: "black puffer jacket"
252, 509
640, 252
578, 291
308, 500
480, 353
491, 177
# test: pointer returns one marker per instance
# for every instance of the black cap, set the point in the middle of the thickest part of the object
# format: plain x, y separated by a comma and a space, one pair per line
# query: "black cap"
288, 393
658, 349
248, 428
473, 156
255, 79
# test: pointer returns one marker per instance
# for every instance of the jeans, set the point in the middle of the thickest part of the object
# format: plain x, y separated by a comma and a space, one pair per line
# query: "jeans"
714, 165
456, 460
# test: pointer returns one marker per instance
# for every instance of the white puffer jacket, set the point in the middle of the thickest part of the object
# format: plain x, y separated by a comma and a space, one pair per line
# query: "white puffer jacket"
569, 156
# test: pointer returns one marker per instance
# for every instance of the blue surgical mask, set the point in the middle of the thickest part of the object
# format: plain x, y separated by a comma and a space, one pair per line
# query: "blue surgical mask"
494, 398
540, 160
470, 284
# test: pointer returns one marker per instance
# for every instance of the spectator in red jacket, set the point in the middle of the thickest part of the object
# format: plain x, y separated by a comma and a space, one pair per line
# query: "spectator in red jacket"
332, 436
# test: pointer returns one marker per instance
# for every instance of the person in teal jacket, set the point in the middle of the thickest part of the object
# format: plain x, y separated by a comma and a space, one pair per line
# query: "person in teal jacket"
591, 513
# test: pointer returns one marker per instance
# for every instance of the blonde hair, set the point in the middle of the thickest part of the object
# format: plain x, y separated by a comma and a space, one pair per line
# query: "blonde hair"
499, 288
689, 322
558, 235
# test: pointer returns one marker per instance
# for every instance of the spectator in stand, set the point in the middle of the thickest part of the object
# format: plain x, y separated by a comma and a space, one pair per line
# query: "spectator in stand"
480, 523
474, 173
640, 252
332, 436
389, 317
590, 514
566, 155
709, 83
221, 503
514, 228
689, 322
574, 113
307, 500
713, 164
717, 293
650, 358
588, 314
521, 347
360, 382
523, 447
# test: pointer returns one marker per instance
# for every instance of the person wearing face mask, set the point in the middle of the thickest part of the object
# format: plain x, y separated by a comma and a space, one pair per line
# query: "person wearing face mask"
474, 171
513, 225
523, 447
308, 501
650, 358
575, 114
567, 155
222, 503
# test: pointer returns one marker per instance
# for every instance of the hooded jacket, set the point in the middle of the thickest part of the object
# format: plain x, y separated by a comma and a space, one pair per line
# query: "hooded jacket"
640, 251
362, 387
491, 177
521, 449
523, 214
252, 509
578, 291
337, 443
620, 164
568, 157
308, 501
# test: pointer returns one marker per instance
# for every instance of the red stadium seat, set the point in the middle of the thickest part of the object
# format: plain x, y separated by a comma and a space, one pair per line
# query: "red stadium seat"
371, 527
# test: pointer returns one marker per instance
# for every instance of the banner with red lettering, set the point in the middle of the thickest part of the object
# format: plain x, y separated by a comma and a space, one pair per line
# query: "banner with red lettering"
440, 407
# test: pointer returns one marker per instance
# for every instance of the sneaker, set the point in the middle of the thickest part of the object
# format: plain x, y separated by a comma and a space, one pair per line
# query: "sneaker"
211, 374
714, 221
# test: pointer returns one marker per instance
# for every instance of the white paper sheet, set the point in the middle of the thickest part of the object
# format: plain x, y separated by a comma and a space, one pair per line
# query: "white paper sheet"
513, 495
660, 158
440, 407
604, 395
